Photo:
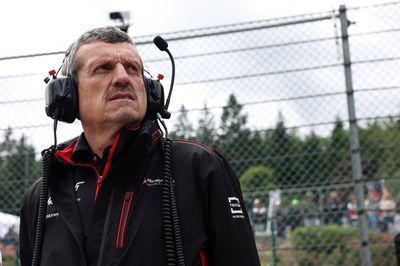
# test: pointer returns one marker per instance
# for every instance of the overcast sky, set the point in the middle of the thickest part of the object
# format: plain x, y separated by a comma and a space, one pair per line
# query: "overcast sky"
43, 25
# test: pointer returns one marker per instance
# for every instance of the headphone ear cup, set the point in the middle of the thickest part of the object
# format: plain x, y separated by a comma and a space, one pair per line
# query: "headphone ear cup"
155, 97
62, 99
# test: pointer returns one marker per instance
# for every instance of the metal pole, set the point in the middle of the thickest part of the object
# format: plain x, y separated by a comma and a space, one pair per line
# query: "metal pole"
273, 237
270, 227
354, 141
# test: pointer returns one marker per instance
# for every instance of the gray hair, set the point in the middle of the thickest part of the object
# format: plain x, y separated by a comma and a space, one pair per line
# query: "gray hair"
71, 64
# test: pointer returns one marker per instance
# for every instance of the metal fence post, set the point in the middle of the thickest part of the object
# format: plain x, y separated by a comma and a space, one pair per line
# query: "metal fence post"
354, 141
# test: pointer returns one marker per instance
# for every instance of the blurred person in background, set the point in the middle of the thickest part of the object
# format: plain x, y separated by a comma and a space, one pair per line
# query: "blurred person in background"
11, 237
294, 216
387, 206
310, 210
371, 204
280, 220
352, 210
259, 216
333, 209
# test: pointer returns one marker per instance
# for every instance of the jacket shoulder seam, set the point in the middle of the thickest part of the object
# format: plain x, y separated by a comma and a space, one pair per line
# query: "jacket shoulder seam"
201, 145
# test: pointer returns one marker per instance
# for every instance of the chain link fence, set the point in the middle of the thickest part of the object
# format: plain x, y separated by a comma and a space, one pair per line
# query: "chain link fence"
306, 109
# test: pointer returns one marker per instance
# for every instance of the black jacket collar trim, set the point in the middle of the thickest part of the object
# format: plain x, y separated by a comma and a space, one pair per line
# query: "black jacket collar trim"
141, 137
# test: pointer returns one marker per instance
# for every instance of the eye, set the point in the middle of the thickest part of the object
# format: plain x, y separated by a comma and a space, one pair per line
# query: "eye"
105, 67
132, 68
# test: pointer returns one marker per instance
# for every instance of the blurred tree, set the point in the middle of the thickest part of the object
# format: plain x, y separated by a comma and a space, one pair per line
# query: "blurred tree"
206, 132
258, 178
313, 160
339, 145
379, 142
341, 164
234, 140
283, 154
183, 128
18, 170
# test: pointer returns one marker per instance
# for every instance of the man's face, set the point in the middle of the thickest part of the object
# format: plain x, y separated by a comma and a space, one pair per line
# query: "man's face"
110, 85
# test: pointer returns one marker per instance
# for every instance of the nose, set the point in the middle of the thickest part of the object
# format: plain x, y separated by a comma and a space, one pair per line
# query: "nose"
120, 77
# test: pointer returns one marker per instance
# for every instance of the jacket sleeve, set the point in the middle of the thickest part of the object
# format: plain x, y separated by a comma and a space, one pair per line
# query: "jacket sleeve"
231, 240
28, 225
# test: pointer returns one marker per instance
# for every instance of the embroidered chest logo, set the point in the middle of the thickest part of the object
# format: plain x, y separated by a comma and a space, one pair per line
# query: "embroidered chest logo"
236, 208
51, 212
152, 182
78, 184
49, 201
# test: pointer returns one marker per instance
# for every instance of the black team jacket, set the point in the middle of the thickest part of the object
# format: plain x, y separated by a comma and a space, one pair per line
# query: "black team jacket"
214, 223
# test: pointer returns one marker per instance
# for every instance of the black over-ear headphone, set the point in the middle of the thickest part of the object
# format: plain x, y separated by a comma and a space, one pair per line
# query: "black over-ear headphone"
62, 97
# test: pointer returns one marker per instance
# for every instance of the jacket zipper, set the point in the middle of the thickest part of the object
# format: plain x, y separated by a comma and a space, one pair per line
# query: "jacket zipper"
124, 218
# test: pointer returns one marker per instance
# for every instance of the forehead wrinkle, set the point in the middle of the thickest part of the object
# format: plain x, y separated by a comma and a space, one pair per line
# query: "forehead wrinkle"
125, 60
124, 55
99, 60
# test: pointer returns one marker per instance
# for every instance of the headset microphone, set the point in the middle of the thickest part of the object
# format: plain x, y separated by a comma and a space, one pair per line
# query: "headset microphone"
163, 46
160, 43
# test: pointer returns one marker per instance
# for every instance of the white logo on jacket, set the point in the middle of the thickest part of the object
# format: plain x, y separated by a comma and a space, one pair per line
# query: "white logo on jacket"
236, 208
78, 184
152, 182
51, 213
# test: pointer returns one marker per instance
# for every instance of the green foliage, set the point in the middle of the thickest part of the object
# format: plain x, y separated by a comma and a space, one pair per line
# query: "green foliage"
183, 128
383, 254
393, 185
9, 261
283, 152
206, 132
18, 170
341, 244
257, 178
232, 120
313, 159
234, 140
322, 238
380, 141
309, 160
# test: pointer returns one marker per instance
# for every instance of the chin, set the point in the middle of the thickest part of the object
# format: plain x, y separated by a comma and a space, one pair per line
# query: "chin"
128, 117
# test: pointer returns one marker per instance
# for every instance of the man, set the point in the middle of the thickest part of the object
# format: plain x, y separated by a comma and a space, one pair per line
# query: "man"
311, 210
259, 216
105, 186
334, 209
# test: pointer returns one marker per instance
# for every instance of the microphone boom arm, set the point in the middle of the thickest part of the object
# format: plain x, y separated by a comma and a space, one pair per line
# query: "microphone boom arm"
172, 79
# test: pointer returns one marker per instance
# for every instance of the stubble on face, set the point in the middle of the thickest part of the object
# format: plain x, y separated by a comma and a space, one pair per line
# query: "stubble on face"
125, 114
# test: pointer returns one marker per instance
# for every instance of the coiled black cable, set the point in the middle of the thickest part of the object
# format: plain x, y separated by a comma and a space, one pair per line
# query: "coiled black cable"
44, 187
166, 208
43, 197
172, 233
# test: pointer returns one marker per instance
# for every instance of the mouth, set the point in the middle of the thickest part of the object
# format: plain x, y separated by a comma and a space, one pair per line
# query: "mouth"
122, 96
